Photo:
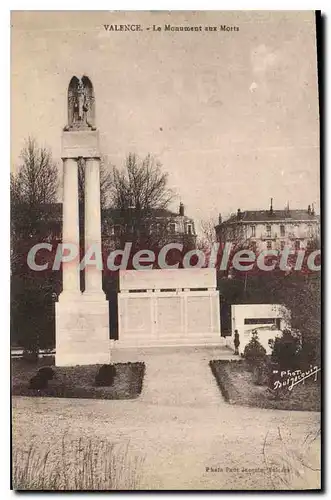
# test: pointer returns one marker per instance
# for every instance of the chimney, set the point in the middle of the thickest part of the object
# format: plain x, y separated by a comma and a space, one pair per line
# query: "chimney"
220, 218
239, 214
271, 207
181, 209
309, 210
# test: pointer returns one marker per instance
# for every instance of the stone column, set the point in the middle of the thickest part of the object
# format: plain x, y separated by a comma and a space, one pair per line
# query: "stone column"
71, 275
93, 274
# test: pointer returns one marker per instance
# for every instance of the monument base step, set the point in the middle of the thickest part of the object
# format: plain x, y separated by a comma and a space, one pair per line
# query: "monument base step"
169, 342
73, 357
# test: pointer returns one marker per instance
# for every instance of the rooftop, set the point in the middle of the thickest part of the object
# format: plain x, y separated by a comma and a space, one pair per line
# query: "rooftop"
111, 213
270, 215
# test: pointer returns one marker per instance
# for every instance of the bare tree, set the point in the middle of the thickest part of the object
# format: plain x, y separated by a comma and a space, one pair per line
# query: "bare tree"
33, 186
36, 180
139, 193
208, 234
140, 184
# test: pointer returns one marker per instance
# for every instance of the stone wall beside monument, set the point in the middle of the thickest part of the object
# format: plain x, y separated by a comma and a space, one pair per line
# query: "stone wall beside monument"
168, 307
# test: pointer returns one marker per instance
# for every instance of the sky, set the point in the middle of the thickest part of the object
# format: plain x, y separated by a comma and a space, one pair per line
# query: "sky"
231, 115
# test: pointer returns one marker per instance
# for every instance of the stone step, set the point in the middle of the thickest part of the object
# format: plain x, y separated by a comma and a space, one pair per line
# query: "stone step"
166, 341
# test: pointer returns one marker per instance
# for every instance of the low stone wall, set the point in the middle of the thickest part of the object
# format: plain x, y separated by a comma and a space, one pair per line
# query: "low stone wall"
168, 307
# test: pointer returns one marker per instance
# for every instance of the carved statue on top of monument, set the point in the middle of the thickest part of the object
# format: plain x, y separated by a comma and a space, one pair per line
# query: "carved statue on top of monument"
81, 104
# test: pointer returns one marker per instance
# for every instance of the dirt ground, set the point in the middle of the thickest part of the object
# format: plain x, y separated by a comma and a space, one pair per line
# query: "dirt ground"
187, 436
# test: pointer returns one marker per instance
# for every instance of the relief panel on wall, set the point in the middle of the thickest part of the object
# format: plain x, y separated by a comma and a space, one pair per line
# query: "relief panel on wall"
138, 315
168, 315
198, 314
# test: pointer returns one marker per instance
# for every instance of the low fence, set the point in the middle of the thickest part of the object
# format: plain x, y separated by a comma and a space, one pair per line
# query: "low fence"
18, 353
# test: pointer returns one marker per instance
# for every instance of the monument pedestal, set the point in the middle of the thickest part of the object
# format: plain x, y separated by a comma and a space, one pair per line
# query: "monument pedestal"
82, 330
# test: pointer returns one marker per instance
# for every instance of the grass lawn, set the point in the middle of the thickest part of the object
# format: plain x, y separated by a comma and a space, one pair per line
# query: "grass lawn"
77, 381
237, 386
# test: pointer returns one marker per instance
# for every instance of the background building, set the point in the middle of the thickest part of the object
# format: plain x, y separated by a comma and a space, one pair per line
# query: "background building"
271, 229
157, 226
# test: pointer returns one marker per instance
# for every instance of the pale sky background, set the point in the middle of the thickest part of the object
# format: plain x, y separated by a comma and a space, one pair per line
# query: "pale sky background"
232, 116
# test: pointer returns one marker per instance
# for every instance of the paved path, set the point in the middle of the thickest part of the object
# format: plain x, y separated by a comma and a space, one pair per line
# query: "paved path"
181, 379
183, 429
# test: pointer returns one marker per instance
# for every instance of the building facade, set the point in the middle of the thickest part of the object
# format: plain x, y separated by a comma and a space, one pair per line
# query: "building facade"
270, 229
157, 226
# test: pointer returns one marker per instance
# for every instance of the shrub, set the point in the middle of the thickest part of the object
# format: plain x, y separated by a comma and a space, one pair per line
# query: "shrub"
261, 372
286, 350
254, 352
310, 353
255, 355
38, 382
105, 375
46, 372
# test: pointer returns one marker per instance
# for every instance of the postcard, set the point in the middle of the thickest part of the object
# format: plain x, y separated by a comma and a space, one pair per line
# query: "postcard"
165, 250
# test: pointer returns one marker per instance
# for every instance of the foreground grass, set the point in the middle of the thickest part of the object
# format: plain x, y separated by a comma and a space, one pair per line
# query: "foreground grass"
237, 386
78, 381
293, 464
76, 465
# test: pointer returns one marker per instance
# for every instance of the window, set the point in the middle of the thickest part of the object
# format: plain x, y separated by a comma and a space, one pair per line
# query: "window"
282, 230
269, 245
297, 244
260, 321
172, 227
117, 230
253, 233
310, 230
189, 228
282, 245
268, 231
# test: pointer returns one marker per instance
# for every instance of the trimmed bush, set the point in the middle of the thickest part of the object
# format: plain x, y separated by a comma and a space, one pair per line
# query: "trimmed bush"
46, 372
105, 376
38, 382
286, 350
255, 355
254, 352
